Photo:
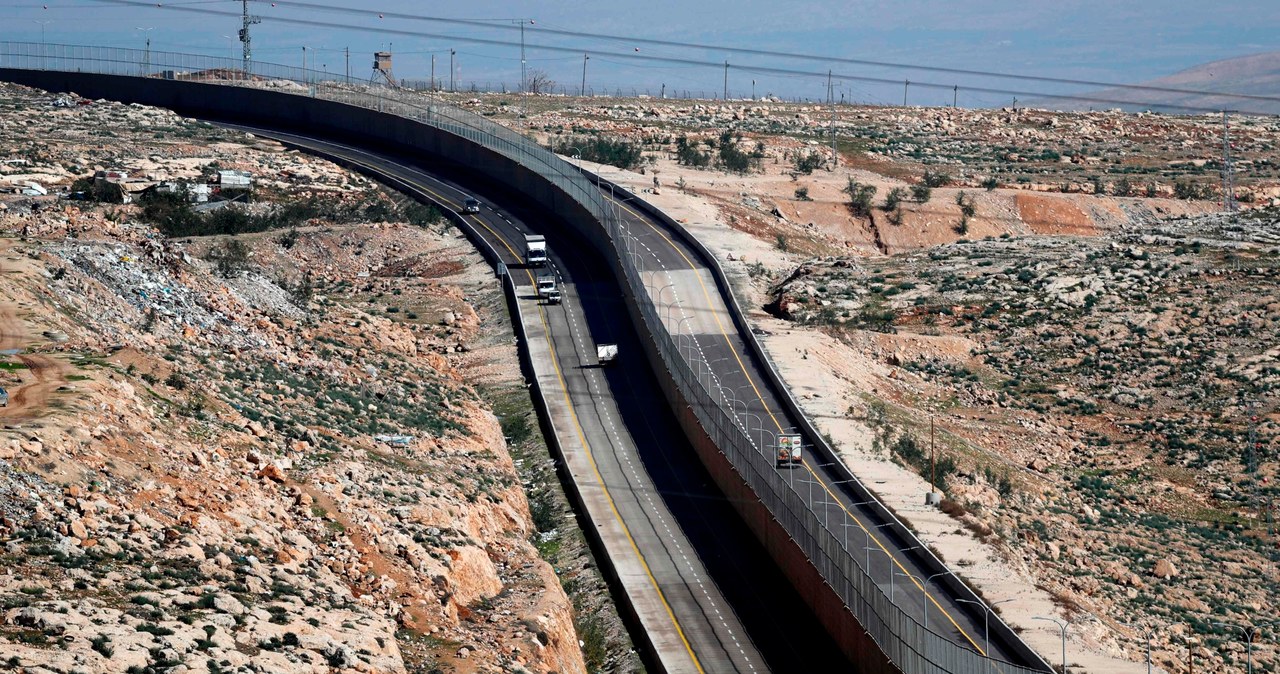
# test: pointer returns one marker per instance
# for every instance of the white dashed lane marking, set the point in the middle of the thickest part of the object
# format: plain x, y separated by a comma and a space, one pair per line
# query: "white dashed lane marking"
646, 492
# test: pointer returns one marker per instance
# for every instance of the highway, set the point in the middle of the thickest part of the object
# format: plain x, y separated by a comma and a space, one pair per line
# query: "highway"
692, 306
704, 590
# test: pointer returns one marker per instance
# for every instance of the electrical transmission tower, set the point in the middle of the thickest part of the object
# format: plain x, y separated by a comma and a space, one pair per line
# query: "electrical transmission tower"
247, 21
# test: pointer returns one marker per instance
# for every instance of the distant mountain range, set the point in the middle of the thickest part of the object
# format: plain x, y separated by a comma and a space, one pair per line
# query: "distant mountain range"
1257, 75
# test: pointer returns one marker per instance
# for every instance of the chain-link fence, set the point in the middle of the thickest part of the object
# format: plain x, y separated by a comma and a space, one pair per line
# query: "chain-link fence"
907, 643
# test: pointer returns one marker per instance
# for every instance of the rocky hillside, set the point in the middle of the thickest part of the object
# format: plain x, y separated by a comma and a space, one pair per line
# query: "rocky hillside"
276, 451
1105, 409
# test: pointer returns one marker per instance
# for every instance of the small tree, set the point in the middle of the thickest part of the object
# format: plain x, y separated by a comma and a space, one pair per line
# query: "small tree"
1099, 187
921, 193
802, 194
688, 154
860, 197
1123, 188
990, 183
807, 162
936, 179
893, 199
304, 291
539, 82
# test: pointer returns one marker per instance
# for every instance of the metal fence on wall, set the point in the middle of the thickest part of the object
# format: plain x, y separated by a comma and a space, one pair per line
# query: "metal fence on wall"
914, 649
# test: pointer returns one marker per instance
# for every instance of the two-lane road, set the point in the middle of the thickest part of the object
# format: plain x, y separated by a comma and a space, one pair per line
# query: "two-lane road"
721, 605
693, 309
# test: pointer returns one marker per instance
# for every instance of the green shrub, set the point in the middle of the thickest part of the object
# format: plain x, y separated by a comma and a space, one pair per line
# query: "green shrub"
601, 150
932, 179
807, 162
894, 198
733, 159
860, 197
687, 154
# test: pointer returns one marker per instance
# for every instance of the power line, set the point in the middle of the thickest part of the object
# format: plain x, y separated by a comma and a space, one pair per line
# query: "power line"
719, 65
781, 54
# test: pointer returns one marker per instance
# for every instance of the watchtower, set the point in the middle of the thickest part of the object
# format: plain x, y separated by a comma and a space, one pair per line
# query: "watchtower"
382, 66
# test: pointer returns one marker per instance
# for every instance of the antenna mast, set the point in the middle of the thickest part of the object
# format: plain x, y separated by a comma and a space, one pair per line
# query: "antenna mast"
247, 21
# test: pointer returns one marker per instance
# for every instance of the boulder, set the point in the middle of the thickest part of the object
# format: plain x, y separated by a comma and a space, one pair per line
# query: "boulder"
1164, 569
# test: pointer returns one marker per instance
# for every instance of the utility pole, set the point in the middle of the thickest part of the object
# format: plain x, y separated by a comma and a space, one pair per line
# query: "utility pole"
955, 95
347, 53
246, 21
433, 72
905, 85
933, 458
585, 58
726, 80
831, 99
451, 53
1228, 186
753, 86
523, 63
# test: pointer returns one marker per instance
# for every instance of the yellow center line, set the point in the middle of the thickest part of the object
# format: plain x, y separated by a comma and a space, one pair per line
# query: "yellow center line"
581, 435
724, 334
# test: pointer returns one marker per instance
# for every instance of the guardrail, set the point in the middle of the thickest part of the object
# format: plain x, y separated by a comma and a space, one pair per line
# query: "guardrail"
911, 647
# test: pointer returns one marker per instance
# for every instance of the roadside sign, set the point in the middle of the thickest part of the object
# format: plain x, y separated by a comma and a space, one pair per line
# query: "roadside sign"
502, 269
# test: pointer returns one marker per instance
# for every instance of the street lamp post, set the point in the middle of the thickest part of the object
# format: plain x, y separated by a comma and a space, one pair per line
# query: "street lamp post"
1062, 625
1250, 632
1149, 634
869, 548
42, 25
986, 622
846, 524
926, 593
892, 583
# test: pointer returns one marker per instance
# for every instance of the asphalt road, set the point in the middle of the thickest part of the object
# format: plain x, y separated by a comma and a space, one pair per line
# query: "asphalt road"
690, 302
733, 608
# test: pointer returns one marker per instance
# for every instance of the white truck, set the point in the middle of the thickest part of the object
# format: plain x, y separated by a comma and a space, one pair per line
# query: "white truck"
790, 451
547, 289
535, 250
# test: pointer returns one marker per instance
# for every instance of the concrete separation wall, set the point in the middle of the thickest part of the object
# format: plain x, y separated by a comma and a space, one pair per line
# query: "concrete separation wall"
999, 629
401, 136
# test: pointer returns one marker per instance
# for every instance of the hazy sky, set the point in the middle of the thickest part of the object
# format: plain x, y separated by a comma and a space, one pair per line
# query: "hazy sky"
1112, 40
